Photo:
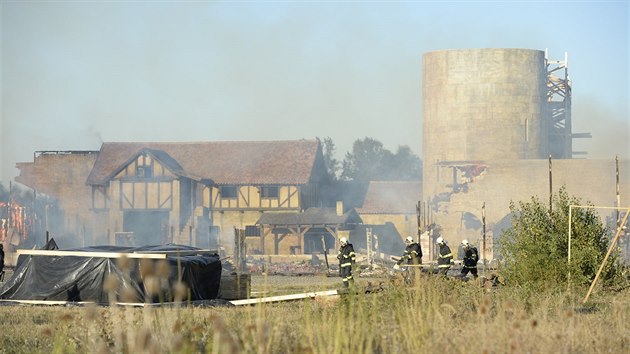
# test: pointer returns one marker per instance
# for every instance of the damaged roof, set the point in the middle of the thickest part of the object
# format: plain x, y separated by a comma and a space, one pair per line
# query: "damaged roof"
224, 162
311, 216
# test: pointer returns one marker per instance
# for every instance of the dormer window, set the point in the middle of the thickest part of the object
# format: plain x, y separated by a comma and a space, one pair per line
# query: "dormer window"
144, 172
144, 167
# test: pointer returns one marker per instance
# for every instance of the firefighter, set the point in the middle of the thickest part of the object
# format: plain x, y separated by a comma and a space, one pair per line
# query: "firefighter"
413, 253
471, 256
1, 262
444, 257
346, 259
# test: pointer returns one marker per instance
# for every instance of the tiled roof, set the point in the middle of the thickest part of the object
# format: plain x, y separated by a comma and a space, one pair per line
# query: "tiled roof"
392, 197
228, 162
311, 216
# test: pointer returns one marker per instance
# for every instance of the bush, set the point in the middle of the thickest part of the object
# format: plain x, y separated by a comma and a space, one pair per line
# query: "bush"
535, 247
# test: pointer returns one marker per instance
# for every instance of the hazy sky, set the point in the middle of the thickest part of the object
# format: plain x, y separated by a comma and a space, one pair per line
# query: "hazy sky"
77, 73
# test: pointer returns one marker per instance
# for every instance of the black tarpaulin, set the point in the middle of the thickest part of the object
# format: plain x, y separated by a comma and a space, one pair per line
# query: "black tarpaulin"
82, 278
51, 245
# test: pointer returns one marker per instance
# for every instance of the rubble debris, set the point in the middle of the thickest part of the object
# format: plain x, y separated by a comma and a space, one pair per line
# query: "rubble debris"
300, 267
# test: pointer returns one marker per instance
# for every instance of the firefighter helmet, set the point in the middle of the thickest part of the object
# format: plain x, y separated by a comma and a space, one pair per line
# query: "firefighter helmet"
409, 239
440, 240
343, 241
465, 243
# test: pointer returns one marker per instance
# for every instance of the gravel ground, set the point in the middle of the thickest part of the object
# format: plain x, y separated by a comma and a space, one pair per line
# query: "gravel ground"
269, 285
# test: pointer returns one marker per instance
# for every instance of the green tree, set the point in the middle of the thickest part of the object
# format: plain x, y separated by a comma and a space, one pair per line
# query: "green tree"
370, 161
535, 248
404, 165
332, 164
364, 162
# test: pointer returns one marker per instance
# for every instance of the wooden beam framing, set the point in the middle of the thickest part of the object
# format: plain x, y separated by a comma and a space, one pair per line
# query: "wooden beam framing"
335, 236
246, 199
263, 236
282, 237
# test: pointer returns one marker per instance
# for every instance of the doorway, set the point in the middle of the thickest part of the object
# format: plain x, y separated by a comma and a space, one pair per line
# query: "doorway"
148, 227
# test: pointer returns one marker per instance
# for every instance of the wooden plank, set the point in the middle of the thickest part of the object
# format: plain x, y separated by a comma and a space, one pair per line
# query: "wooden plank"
91, 254
284, 297
61, 302
234, 302
43, 302
136, 254
181, 253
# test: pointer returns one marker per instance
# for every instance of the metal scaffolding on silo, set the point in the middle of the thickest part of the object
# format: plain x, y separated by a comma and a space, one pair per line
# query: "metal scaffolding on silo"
559, 109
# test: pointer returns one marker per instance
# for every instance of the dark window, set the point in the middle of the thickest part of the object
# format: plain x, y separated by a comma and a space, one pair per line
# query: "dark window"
269, 192
252, 231
228, 192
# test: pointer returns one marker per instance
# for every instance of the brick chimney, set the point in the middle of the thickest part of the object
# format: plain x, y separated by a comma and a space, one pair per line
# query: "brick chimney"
339, 208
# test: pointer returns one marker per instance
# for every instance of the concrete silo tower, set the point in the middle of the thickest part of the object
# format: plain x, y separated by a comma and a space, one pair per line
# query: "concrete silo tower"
484, 104
480, 105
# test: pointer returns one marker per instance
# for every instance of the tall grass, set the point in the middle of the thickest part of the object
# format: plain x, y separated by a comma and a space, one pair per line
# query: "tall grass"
432, 315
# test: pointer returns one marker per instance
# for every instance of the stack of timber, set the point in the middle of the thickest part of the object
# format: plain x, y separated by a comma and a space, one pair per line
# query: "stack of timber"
235, 286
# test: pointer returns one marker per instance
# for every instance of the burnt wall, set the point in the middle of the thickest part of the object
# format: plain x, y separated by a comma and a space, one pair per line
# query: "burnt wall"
62, 176
593, 181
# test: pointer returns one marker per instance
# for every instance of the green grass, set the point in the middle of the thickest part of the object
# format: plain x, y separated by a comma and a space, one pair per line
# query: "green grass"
434, 315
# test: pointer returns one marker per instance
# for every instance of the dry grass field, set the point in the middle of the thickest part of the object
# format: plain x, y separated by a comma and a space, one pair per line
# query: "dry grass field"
431, 316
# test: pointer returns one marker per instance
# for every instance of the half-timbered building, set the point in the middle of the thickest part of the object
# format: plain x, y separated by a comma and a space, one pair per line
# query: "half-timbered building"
199, 193
194, 193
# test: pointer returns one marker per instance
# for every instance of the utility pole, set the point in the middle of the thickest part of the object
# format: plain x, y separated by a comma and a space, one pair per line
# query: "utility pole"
419, 215
368, 243
617, 187
326, 253
429, 230
429, 213
620, 226
483, 219
550, 187
239, 250
9, 207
